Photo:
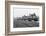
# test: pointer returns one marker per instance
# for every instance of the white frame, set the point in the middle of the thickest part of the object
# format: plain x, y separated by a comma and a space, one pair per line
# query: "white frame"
28, 28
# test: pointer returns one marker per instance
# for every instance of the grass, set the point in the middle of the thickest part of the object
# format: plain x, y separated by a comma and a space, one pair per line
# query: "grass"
26, 23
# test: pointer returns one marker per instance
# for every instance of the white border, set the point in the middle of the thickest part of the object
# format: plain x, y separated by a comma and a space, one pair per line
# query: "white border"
27, 28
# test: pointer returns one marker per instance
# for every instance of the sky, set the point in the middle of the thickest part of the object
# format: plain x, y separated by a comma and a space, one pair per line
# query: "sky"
19, 12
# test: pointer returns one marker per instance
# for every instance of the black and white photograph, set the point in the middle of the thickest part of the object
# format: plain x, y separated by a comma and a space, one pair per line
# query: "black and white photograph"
25, 17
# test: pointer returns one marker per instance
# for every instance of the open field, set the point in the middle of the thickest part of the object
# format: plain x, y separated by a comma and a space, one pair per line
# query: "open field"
26, 23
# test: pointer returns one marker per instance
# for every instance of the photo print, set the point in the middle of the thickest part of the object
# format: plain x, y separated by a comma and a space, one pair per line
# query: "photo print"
25, 17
